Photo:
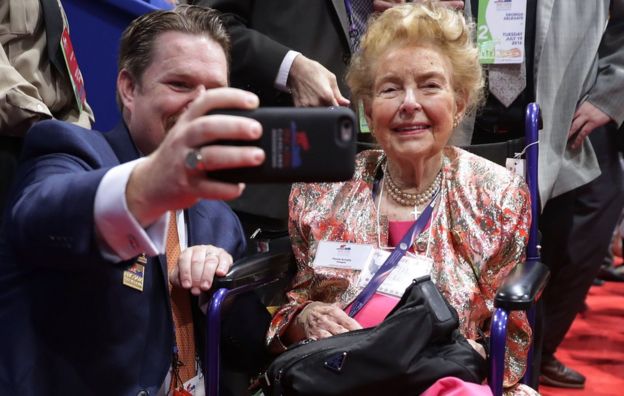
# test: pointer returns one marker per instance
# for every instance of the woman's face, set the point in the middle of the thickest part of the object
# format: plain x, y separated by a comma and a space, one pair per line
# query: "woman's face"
413, 105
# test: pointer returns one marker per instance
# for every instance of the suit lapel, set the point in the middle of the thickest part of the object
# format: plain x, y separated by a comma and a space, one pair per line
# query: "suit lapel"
54, 27
341, 12
542, 28
162, 262
124, 148
122, 144
194, 217
468, 8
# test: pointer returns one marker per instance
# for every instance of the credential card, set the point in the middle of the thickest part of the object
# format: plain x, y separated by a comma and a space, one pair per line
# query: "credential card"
501, 31
342, 255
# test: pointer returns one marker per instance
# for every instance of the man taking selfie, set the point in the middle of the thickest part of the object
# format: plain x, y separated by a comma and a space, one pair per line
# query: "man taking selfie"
110, 237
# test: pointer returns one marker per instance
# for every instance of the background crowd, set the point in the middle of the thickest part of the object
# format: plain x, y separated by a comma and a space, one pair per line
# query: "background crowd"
109, 238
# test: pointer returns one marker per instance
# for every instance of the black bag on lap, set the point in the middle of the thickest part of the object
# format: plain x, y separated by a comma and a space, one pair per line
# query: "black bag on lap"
416, 344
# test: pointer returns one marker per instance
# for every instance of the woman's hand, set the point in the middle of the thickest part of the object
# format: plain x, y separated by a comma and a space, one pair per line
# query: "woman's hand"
320, 320
478, 347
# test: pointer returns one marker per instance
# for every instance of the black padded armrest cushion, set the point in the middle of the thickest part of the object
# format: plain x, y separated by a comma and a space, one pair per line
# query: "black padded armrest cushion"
523, 286
261, 266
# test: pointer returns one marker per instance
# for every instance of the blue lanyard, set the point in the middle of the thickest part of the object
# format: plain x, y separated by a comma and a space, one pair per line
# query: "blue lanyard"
386, 268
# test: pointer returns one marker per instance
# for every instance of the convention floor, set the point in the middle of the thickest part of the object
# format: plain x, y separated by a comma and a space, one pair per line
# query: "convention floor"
595, 344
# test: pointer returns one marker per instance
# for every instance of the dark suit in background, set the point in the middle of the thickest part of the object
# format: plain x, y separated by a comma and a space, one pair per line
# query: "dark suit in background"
262, 32
68, 324
574, 58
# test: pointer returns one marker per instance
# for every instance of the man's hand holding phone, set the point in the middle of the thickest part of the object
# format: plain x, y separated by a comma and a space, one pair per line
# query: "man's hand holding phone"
300, 144
163, 180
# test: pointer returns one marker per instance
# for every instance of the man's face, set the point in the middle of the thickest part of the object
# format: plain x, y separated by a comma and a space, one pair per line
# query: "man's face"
182, 66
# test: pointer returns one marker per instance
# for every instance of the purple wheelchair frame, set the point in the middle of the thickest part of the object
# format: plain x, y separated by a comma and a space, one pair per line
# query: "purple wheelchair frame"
525, 285
520, 291
248, 274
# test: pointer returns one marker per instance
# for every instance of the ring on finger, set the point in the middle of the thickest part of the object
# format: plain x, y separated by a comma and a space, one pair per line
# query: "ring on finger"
194, 160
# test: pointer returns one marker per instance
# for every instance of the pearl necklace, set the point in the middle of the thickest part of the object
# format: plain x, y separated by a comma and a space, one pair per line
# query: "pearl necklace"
408, 199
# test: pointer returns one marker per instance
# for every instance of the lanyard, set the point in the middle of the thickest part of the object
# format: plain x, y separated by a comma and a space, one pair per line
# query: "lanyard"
386, 268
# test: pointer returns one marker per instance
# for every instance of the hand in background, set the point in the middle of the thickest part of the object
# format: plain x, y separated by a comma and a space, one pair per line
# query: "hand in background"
311, 84
197, 267
477, 347
587, 118
381, 5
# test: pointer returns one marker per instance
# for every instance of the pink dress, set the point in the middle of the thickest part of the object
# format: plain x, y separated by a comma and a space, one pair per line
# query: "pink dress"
380, 305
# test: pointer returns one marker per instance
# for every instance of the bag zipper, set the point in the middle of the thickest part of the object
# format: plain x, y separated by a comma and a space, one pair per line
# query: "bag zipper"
278, 376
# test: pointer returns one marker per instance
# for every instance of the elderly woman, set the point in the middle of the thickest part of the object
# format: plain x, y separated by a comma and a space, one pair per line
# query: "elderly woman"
417, 73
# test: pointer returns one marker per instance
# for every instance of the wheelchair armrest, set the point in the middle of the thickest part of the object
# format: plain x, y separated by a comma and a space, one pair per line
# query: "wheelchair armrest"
258, 267
523, 286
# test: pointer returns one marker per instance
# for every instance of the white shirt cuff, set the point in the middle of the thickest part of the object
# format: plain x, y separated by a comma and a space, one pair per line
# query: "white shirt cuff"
281, 80
121, 236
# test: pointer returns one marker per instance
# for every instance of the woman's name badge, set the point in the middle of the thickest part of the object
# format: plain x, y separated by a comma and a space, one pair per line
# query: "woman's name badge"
409, 268
135, 275
342, 255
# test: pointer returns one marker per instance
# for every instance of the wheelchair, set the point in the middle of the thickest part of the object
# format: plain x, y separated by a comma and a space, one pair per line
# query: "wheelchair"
521, 290
102, 21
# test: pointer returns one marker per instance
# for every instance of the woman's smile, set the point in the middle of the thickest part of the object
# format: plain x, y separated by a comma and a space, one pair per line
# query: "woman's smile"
411, 129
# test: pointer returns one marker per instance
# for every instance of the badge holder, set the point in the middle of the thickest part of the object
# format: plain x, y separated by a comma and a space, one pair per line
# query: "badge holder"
517, 164
134, 276
176, 387
393, 260
75, 75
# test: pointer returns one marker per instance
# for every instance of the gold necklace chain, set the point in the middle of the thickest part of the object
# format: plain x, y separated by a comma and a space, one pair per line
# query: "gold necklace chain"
410, 199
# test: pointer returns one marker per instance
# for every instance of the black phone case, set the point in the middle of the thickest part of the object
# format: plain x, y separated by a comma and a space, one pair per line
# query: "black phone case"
301, 145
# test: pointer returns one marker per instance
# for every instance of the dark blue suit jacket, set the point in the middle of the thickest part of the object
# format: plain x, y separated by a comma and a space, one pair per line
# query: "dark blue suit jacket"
67, 323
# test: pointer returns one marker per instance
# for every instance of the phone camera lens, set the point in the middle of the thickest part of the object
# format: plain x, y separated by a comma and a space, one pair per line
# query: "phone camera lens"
346, 130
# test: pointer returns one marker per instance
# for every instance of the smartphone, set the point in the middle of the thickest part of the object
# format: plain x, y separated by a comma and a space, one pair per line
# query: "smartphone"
301, 145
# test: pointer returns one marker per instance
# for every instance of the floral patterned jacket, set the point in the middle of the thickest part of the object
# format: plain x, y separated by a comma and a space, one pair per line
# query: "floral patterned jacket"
478, 234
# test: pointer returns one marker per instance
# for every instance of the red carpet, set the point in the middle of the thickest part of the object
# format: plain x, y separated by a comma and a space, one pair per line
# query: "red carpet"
595, 344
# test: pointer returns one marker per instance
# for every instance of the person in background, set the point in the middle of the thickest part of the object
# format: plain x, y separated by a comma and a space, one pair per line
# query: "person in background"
611, 270
417, 73
289, 53
35, 79
574, 69
110, 237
